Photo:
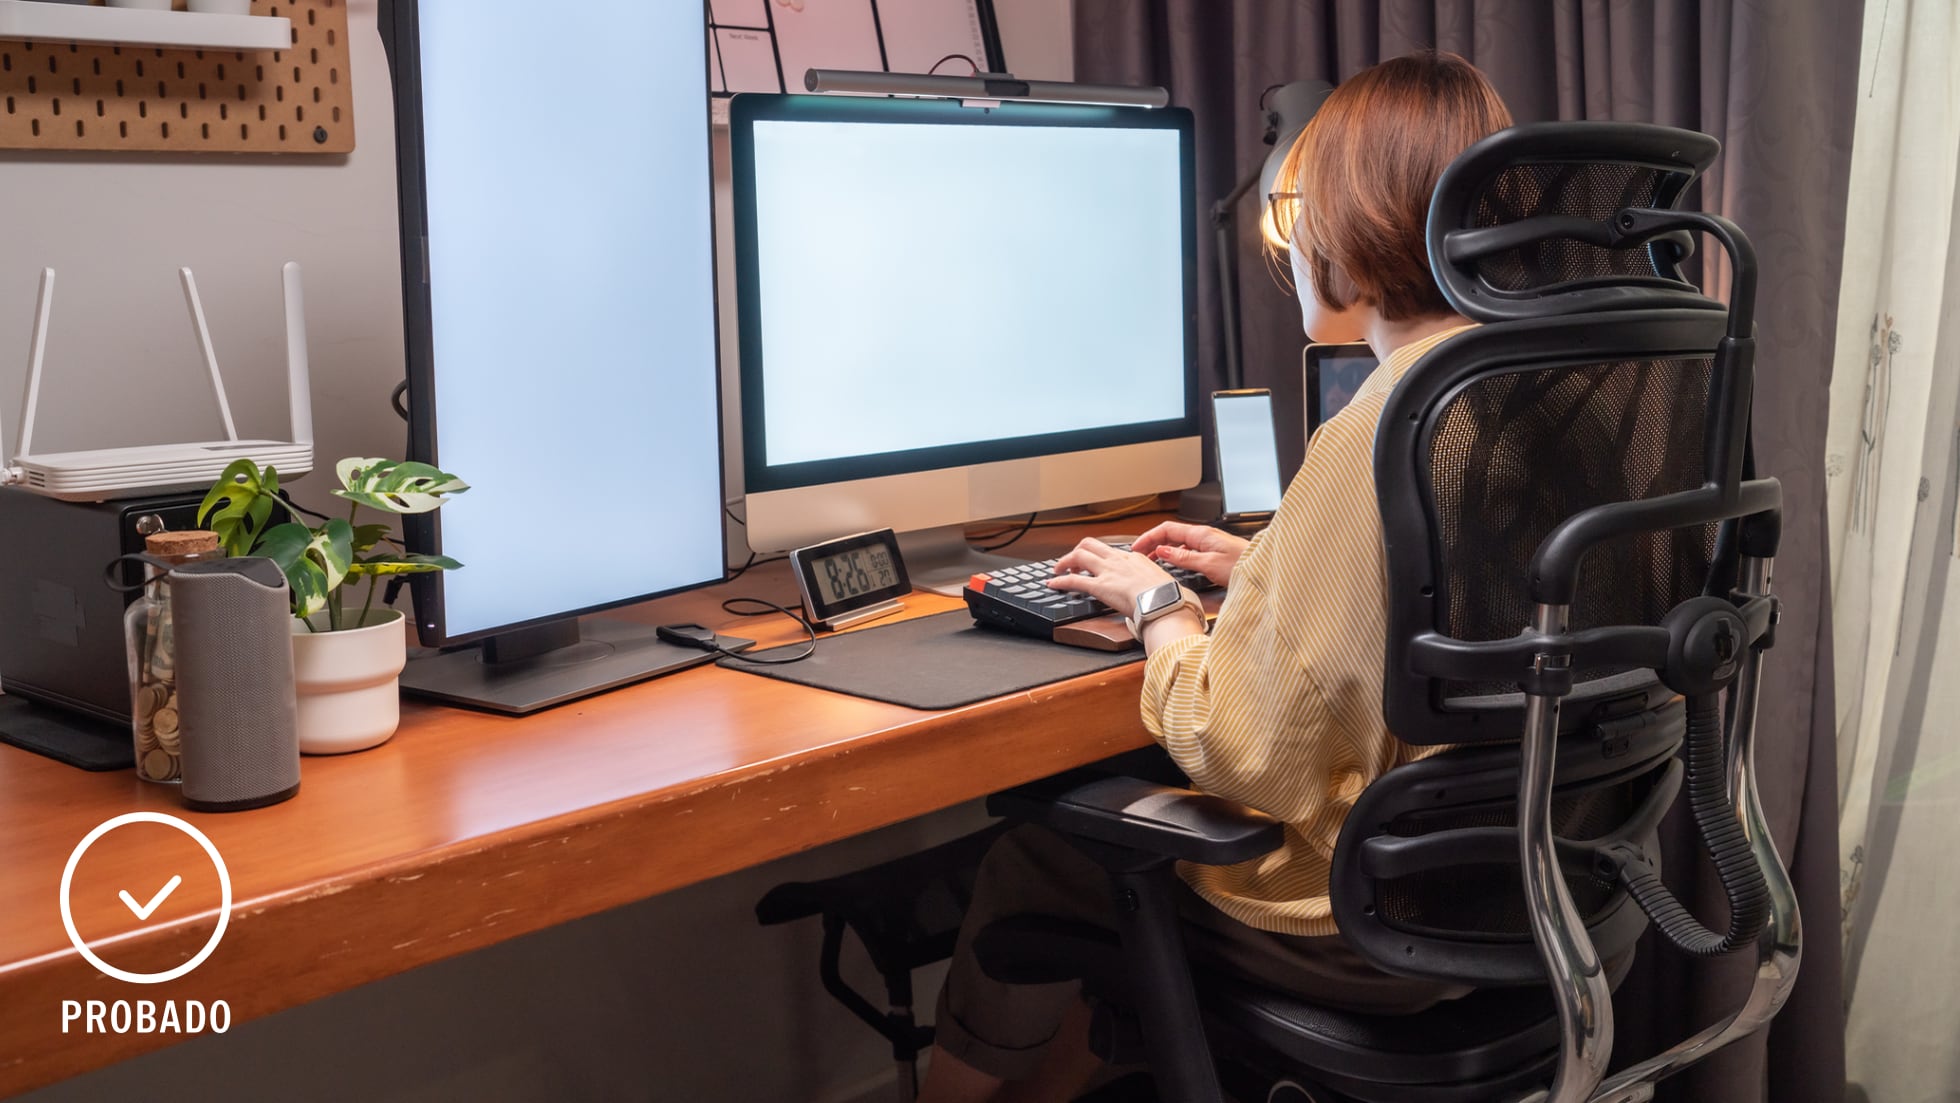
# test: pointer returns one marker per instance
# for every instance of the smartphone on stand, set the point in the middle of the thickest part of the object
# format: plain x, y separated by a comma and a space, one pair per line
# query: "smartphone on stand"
1248, 457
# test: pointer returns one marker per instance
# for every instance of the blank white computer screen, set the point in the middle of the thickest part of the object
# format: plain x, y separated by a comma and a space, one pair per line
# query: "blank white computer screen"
931, 285
1248, 452
571, 294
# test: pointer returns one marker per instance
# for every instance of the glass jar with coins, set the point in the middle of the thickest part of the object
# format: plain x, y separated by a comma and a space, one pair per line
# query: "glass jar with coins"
152, 659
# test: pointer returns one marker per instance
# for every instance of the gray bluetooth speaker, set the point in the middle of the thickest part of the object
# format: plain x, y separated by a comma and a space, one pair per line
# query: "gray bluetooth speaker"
232, 624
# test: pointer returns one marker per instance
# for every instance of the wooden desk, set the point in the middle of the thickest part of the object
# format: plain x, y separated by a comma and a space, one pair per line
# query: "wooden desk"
469, 828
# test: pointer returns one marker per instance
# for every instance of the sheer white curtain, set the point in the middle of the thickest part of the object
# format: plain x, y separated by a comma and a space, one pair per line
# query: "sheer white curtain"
1891, 456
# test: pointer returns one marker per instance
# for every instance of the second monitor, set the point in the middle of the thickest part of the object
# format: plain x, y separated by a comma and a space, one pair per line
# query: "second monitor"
950, 313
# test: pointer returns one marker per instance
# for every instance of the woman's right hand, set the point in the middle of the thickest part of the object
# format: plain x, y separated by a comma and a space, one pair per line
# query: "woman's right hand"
1199, 548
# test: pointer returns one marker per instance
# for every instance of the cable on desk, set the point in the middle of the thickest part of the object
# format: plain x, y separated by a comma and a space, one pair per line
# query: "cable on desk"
1018, 533
1134, 509
753, 562
728, 606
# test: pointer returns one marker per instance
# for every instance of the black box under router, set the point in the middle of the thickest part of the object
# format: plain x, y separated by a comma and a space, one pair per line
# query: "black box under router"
61, 626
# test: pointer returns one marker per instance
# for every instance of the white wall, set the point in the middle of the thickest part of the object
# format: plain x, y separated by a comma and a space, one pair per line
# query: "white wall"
676, 998
123, 365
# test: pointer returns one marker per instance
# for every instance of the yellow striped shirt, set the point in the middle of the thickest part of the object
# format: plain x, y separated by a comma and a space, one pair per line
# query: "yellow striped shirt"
1280, 707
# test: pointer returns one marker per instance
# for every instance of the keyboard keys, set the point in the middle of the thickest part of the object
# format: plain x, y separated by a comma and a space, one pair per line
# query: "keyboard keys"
1020, 600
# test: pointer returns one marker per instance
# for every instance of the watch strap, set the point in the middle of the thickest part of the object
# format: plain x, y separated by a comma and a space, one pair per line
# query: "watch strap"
1186, 599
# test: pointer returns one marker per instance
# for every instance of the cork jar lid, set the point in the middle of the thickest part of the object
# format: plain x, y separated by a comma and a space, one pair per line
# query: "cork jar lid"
173, 545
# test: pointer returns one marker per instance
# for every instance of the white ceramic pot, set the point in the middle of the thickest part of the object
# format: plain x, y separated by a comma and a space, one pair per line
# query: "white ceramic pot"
347, 683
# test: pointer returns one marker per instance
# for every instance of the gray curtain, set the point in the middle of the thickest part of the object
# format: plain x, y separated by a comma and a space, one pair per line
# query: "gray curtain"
1775, 81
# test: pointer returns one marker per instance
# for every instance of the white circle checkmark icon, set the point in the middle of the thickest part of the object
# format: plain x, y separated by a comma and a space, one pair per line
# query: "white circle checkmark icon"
144, 911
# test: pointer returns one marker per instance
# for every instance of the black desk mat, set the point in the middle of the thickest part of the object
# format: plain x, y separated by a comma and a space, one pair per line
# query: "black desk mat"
938, 662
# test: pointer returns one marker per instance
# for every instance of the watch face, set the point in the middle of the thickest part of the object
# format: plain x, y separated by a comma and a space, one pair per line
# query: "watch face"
1157, 597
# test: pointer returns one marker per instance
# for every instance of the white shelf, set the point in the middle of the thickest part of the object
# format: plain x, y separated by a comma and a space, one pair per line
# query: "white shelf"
138, 27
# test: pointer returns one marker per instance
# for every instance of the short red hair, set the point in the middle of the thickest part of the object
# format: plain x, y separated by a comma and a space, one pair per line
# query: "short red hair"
1364, 170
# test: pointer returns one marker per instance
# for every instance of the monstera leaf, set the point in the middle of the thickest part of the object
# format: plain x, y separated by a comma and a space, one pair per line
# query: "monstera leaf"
397, 563
314, 562
367, 536
396, 486
239, 504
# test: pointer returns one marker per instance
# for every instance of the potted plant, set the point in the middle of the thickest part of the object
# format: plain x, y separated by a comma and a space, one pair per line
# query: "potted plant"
346, 660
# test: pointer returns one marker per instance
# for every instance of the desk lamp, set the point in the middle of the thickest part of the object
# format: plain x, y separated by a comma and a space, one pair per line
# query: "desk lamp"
1288, 108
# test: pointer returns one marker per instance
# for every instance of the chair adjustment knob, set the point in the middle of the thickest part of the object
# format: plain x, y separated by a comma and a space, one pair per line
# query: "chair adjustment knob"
1706, 640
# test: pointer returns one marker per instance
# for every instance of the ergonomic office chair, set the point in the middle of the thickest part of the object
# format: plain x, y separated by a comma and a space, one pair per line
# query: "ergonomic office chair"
1578, 561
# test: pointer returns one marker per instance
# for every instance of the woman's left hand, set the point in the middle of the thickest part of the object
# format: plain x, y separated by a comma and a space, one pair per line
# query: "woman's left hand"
1112, 577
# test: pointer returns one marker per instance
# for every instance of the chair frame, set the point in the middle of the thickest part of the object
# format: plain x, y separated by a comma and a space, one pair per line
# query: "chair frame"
1137, 830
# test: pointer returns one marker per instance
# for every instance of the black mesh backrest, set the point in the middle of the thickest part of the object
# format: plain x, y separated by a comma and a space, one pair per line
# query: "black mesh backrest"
1557, 190
1493, 440
1591, 382
1591, 190
1514, 453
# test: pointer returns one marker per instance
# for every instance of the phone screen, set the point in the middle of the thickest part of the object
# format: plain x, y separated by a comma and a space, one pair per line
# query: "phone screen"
1248, 451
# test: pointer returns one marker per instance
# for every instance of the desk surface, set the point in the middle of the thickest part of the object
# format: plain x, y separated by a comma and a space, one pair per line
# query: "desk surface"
469, 828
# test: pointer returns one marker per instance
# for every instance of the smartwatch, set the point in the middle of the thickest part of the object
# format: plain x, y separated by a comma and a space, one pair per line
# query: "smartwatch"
1161, 601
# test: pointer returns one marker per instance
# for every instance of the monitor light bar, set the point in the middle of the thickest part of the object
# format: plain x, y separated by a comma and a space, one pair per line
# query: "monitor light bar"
981, 87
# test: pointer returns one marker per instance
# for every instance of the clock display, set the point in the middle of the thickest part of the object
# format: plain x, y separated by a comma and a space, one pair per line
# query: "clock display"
854, 572
851, 578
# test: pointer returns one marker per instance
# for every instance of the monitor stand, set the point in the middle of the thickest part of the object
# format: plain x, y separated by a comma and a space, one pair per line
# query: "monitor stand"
941, 561
552, 663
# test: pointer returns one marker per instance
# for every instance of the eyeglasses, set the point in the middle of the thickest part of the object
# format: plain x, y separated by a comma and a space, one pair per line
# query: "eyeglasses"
1282, 213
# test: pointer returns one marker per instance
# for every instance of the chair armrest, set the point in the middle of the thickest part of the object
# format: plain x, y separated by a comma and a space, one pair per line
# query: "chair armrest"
1142, 816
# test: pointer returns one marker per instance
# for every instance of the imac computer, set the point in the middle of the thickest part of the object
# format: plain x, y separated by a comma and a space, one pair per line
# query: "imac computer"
558, 289
953, 311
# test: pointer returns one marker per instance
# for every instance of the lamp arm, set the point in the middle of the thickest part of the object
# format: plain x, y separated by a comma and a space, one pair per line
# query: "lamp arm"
1221, 211
1222, 220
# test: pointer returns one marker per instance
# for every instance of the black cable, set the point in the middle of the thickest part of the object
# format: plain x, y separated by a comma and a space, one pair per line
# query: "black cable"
809, 649
297, 508
1022, 531
753, 562
1124, 516
1724, 840
975, 66
398, 399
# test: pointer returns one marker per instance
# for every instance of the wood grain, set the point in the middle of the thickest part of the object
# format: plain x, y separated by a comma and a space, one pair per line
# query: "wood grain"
467, 828
77, 96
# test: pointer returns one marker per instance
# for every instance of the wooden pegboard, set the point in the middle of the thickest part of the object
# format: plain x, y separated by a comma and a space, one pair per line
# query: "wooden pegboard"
60, 95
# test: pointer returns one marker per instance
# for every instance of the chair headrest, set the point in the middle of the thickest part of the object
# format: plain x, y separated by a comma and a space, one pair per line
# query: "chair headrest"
1529, 221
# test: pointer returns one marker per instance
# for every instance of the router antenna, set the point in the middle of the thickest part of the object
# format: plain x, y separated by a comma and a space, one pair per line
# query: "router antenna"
38, 346
299, 394
210, 354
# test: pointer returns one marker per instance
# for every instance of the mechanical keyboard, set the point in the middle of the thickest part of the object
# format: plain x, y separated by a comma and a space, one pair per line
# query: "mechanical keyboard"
1019, 600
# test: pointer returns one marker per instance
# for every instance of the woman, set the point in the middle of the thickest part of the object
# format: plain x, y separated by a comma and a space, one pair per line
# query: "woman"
1279, 707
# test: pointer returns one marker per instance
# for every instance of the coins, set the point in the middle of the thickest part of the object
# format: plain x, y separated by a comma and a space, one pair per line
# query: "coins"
159, 747
160, 765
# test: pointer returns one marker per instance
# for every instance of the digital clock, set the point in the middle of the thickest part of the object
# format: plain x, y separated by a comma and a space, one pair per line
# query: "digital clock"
851, 579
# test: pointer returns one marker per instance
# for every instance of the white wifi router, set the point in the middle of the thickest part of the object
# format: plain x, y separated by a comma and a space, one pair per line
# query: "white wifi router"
104, 473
